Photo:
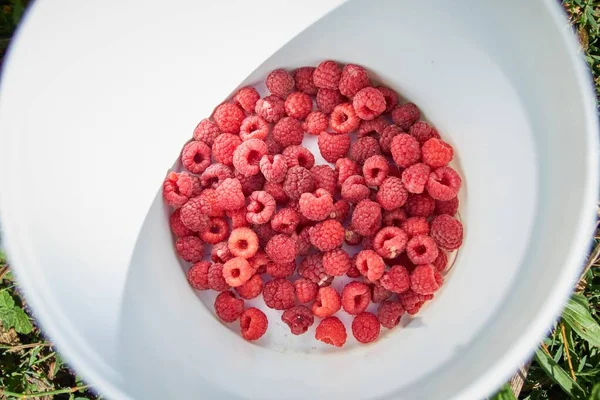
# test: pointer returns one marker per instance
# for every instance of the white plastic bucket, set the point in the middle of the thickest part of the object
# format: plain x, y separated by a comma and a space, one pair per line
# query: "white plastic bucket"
95, 108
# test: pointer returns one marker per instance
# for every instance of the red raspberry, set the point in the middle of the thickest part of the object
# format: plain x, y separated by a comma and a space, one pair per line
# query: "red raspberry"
353, 79
216, 281
447, 232
367, 243
237, 271
312, 269
288, 131
238, 218
405, 150
441, 262
190, 248
415, 177
405, 115
250, 183
327, 302
303, 241
333, 147
247, 97
394, 217
217, 231
243, 242
197, 276
206, 131
306, 291
353, 272
298, 105
195, 157
230, 195
280, 83
387, 137
379, 294
194, 215
223, 148
370, 265
412, 301
415, 226
353, 239
328, 99
264, 233
389, 314
315, 123
346, 168
336, 262
425, 279
365, 327
327, 235
366, 218
419, 205
298, 156
253, 323
260, 261
403, 260
247, 156
343, 118
220, 253
228, 308
260, 208
390, 241
303, 77
276, 190
341, 209
437, 153
422, 249
331, 331
281, 270
279, 294
285, 221
354, 189
254, 127
363, 148
229, 117
251, 288
375, 170
271, 108
209, 203
298, 318
422, 131
372, 128
297, 181
449, 207
177, 188
215, 174
317, 206
356, 297
327, 75
443, 183
390, 96
274, 168
177, 227
281, 249
368, 103
396, 279
324, 177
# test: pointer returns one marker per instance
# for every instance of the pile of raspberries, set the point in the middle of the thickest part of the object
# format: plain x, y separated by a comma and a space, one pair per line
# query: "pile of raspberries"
283, 227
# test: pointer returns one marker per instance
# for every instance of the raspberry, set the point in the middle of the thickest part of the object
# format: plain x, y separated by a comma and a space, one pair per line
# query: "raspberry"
298, 156
333, 147
327, 235
271, 108
237, 271
336, 262
280, 83
326, 303
190, 248
325, 178
303, 241
312, 269
365, 327
443, 183
422, 131
420, 205
298, 105
217, 231
394, 217
264, 233
251, 288
317, 206
243, 242
363, 148
298, 180
281, 249
354, 189
229, 117
274, 168
372, 128
285, 221
447, 232
370, 265
260, 208
368, 103
288, 131
260, 261
177, 227
328, 99
405, 150
177, 188
389, 314
223, 148
437, 153
379, 294
315, 123
298, 318
247, 97
449, 207
441, 262
353, 272
230, 195
415, 226
250, 183
195, 157
216, 281
425, 279
253, 323
387, 136
238, 218
415, 177
254, 127
366, 218
352, 238
220, 253
375, 170
276, 190
331, 331
197, 276
206, 203
396, 279
303, 77
356, 297
215, 174
327, 75
281, 270
405, 115
367, 243
346, 168
403, 260
306, 290
341, 209
390, 96
279, 294
412, 301
228, 308
247, 156
353, 79
422, 249
206, 131
390, 241
343, 118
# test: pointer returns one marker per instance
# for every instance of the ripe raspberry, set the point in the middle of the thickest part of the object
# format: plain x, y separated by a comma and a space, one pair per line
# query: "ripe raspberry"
372, 128
276, 190
375, 170
251, 288
356, 297
317, 206
343, 118
298, 180
353, 79
247, 156
298, 105
216, 281
447, 232
352, 238
368, 103
260, 261
194, 215
237, 271
223, 148
230, 195
405, 115
441, 262
415, 177
190, 248
228, 308
195, 157
177, 227
405, 150
215, 174
298, 318
346, 168
390, 241
254, 127
197, 276
280, 83
217, 231
425, 279
353, 272
327, 75
326, 303
325, 178
363, 148
422, 131
271, 108
387, 137
365, 327
274, 168
253, 323
206, 131
250, 183
306, 290
298, 156
366, 218
354, 189
412, 301
284, 270
312, 269
288, 131
437, 153
229, 117
422, 249
281, 249
394, 217
238, 218
327, 235
390, 96
396, 279
328, 99
389, 314
243, 242
367, 243
331, 331
443, 183
208, 203
247, 97
379, 294
370, 264
449, 207
285, 221
333, 147
303, 77
415, 226
315, 123
336, 262
341, 209
261, 207
177, 188
419, 205
303, 241
264, 233
220, 253
279, 294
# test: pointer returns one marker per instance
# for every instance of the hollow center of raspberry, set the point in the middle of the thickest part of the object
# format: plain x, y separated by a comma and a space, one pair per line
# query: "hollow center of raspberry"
445, 181
215, 229
245, 323
253, 157
302, 161
242, 244
420, 249
343, 118
375, 171
198, 158
212, 181
357, 300
235, 273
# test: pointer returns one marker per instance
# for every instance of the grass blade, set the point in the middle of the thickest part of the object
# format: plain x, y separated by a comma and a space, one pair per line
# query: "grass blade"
558, 375
578, 317
505, 393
